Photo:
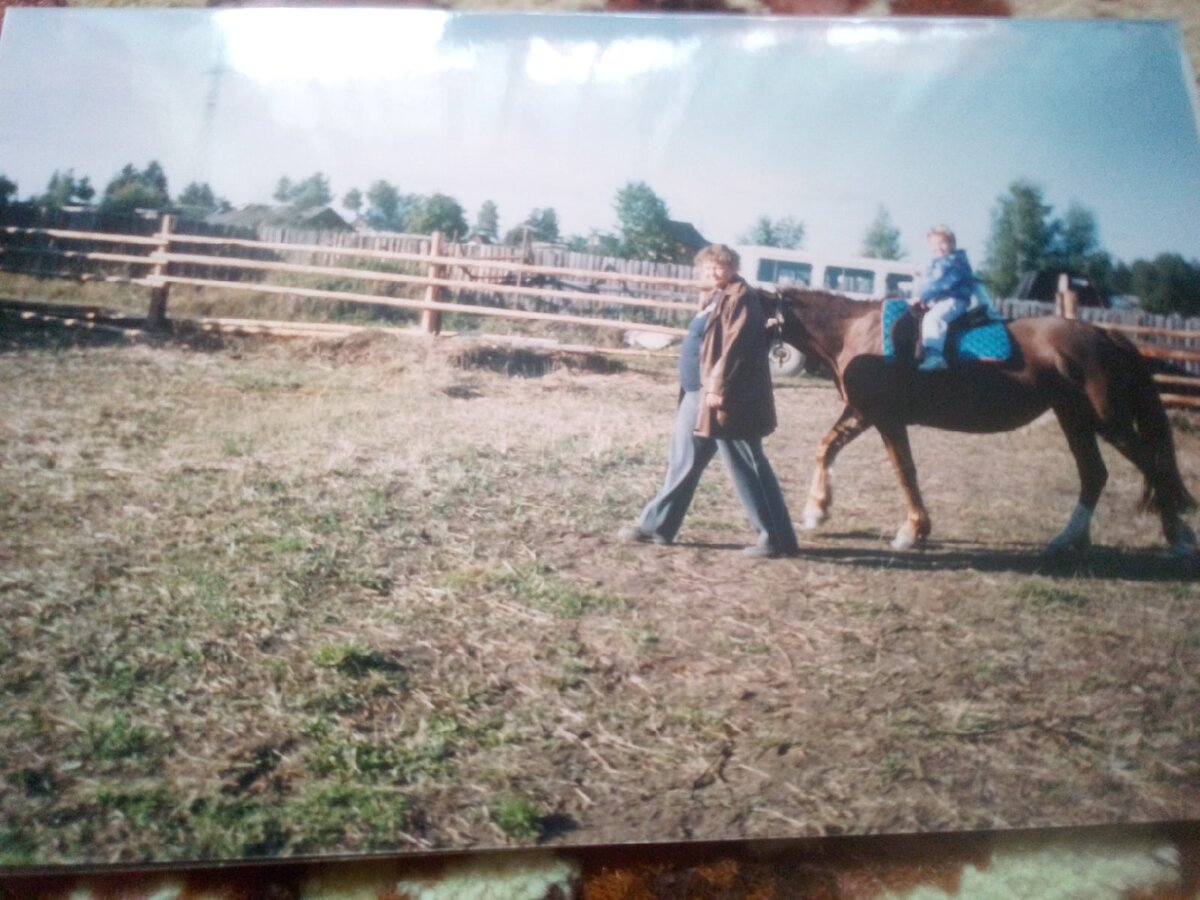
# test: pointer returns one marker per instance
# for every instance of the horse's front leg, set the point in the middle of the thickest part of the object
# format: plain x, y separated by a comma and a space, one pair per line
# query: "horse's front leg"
918, 525
820, 491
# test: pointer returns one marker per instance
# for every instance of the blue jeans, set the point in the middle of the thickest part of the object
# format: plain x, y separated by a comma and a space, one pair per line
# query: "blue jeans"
751, 473
937, 321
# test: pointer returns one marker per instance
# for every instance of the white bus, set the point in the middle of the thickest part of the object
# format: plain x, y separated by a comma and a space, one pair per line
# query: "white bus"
859, 278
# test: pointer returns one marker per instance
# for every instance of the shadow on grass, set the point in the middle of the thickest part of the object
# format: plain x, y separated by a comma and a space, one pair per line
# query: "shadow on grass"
1026, 559
17, 335
40, 326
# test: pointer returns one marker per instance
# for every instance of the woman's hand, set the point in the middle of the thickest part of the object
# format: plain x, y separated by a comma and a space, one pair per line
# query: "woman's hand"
714, 401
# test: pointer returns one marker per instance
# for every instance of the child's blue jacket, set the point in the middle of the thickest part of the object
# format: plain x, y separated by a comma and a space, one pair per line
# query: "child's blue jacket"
948, 276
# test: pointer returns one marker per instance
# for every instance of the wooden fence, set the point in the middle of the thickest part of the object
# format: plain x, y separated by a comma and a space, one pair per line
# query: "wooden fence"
644, 301
1173, 340
537, 283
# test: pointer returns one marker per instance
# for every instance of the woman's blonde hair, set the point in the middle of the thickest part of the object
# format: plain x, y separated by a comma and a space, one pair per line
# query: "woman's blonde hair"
720, 254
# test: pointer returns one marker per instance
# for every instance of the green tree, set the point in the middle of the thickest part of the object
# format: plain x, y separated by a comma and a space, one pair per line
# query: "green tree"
1077, 239
644, 225
303, 196
487, 221
1025, 237
8, 190
1022, 236
437, 212
311, 193
787, 233
882, 240
155, 178
1167, 284
1103, 273
353, 201
199, 200
131, 190
542, 225
1122, 278
283, 190
545, 224
64, 189
387, 208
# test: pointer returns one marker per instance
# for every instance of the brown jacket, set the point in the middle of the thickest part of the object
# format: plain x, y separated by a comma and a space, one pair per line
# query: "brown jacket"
733, 365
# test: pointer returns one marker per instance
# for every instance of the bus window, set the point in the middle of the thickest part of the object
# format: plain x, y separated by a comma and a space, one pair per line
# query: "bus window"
778, 271
899, 285
849, 281
794, 273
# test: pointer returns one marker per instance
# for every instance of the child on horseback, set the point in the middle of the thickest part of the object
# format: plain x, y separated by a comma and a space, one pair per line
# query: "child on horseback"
946, 292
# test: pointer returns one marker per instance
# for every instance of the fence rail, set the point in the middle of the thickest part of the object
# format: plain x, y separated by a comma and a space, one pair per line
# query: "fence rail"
564, 287
418, 263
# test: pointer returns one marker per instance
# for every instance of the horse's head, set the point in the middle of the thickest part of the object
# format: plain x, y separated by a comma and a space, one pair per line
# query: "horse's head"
817, 323
791, 309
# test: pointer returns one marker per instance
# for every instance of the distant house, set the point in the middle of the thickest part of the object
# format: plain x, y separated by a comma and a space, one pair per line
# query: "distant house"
250, 216
328, 219
259, 214
686, 236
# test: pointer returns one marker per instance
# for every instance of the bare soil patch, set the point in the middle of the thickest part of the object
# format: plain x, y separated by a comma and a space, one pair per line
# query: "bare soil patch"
280, 598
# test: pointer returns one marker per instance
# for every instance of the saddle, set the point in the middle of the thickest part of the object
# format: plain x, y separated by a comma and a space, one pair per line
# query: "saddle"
975, 335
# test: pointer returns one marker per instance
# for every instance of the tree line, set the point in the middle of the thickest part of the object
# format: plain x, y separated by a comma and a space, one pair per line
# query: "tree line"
1024, 234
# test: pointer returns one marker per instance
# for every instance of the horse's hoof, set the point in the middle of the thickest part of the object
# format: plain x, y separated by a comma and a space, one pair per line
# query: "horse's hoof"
1185, 550
1183, 542
813, 520
904, 540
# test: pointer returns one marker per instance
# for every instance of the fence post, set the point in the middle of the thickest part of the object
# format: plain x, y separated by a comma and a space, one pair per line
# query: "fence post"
1066, 301
156, 317
431, 319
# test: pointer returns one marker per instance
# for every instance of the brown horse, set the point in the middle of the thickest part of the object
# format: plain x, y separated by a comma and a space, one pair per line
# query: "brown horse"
1094, 380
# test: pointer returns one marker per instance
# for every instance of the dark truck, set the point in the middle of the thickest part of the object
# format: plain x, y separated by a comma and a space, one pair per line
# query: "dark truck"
1043, 285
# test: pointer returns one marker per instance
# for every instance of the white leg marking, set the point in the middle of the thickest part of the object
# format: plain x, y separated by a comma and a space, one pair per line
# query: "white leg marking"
906, 538
1183, 543
814, 516
1077, 534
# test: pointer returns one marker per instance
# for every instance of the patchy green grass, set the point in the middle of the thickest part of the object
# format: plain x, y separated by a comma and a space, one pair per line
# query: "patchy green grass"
1044, 594
516, 816
364, 595
538, 587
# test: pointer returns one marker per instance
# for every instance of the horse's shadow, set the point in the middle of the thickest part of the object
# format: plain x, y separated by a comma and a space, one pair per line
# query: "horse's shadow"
1023, 559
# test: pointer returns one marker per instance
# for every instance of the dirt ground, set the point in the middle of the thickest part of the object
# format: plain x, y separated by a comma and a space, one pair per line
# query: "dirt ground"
285, 598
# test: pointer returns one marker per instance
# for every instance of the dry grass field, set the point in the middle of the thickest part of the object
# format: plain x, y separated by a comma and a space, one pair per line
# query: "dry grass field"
277, 598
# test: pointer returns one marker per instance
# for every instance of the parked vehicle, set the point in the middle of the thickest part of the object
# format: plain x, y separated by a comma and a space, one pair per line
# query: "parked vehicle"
1043, 285
860, 278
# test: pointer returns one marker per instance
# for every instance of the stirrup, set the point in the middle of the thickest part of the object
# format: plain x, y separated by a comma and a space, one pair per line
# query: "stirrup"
934, 361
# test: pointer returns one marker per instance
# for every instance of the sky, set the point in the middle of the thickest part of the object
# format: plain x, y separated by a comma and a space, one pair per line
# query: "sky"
726, 118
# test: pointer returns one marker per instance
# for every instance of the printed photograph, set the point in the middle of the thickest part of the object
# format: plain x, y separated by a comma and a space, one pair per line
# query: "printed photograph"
440, 431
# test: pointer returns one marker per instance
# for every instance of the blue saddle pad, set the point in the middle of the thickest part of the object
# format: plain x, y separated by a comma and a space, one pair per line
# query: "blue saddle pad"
988, 342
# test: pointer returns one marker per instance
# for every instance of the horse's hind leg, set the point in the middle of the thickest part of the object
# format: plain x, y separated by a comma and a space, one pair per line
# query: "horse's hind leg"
1160, 485
820, 491
917, 527
1081, 438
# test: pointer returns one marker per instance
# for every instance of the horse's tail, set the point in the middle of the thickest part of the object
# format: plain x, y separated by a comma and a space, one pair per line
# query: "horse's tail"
1164, 482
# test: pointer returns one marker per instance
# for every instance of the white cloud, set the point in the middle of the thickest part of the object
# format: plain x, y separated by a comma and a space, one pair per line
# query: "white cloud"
335, 47
577, 62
